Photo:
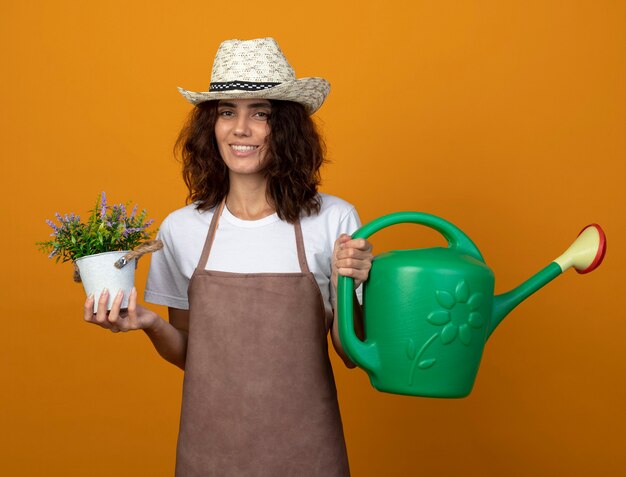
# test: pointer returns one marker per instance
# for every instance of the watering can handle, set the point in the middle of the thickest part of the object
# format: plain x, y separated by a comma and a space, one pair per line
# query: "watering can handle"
455, 237
364, 354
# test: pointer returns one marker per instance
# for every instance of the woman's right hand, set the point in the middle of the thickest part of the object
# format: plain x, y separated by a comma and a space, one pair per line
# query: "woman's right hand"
135, 317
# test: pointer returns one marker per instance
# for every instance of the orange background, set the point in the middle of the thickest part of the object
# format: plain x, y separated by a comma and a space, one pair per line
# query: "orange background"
507, 118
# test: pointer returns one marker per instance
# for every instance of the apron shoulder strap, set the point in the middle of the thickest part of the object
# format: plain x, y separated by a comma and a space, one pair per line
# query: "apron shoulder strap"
304, 267
204, 258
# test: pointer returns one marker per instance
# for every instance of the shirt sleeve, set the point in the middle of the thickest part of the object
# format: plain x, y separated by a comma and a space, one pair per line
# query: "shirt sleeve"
166, 285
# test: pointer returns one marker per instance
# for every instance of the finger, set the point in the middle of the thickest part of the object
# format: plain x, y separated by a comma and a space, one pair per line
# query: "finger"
114, 314
101, 312
354, 270
359, 261
358, 276
133, 321
359, 244
342, 239
88, 309
354, 254
349, 268
355, 266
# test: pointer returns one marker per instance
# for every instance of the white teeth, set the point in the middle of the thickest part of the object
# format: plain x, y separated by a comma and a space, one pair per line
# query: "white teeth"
243, 148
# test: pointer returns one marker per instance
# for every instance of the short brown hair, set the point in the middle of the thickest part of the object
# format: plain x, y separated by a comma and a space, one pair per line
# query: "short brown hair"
295, 154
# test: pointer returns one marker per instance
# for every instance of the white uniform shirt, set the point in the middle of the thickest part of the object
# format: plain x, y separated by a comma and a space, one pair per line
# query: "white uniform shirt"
267, 245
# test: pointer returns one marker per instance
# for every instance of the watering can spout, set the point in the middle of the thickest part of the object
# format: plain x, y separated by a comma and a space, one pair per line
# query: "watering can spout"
503, 304
585, 255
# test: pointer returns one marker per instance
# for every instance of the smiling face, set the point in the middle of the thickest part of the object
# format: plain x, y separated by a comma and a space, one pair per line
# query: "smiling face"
241, 131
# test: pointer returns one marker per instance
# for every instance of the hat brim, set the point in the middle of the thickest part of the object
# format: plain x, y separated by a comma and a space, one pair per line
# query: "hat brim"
310, 92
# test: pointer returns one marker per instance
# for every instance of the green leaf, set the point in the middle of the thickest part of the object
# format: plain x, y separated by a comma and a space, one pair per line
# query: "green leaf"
439, 318
475, 301
476, 320
465, 334
427, 363
445, 299
462, 292
411, 349
449, 333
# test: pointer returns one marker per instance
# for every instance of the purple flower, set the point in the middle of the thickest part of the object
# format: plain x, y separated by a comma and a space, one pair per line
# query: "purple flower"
132, 215
53, 225
103, 206
130, 230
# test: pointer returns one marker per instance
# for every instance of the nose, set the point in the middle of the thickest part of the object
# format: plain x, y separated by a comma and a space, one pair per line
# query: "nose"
242, 126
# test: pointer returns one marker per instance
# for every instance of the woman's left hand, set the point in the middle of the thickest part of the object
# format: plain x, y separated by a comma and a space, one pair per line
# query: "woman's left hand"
351, 258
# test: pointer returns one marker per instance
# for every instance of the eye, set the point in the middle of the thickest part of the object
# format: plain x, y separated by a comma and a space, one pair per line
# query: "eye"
226, 113
264, 115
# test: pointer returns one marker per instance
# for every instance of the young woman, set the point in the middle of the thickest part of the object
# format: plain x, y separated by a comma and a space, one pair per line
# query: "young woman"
249, 274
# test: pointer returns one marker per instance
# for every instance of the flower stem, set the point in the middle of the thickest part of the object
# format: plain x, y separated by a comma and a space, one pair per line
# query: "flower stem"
419, 356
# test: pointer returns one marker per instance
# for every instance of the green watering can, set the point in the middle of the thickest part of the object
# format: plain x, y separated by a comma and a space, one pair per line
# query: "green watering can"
428, 312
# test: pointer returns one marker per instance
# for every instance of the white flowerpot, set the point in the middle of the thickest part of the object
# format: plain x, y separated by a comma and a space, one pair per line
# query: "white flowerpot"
97, 272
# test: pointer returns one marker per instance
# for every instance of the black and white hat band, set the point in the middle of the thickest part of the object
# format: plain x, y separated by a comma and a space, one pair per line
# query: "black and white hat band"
240, 86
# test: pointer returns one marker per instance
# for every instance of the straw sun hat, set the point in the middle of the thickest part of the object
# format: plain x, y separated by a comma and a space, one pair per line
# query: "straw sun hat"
258, 69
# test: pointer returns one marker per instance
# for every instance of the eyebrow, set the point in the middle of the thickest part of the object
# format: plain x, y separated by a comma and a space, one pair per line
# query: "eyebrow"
265, 104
